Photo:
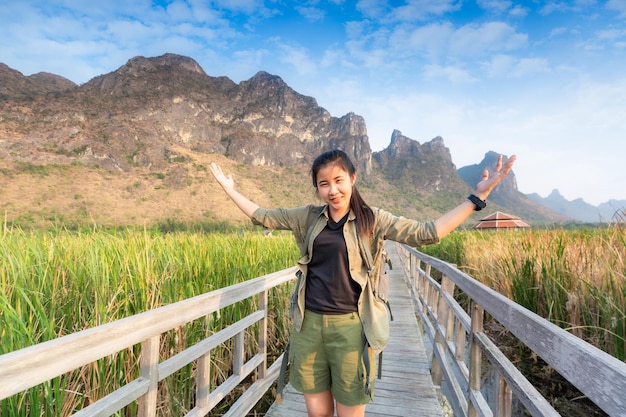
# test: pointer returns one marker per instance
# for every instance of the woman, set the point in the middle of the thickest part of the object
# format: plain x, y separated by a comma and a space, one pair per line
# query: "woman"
332, 303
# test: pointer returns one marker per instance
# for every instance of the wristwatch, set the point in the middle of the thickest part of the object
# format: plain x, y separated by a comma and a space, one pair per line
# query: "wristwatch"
478, 203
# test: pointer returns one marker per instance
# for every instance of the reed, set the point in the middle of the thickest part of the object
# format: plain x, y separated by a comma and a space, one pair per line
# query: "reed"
58, 282
574, 278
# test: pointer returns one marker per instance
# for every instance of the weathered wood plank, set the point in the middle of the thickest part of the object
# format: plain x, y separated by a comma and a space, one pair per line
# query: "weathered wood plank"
406, 387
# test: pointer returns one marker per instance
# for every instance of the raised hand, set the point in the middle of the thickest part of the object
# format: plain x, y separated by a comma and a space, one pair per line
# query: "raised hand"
228, 185
490, 180
226, 181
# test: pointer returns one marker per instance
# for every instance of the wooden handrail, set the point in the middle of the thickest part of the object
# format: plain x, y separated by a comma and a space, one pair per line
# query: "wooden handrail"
25, 368
598, 375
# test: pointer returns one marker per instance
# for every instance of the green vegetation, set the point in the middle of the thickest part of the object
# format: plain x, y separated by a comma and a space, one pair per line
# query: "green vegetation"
54, 283
59, 281
574, 278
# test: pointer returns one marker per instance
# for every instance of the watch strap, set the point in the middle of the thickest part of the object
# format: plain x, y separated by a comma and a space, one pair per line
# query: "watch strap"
478, 203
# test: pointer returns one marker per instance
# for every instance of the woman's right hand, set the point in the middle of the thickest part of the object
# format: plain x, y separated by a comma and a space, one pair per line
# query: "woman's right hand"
226, 181
228, 185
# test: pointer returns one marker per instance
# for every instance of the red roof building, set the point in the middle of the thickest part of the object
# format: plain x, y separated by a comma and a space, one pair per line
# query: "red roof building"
499, 220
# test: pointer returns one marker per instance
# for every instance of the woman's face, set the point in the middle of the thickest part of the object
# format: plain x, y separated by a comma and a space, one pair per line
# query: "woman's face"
334, 186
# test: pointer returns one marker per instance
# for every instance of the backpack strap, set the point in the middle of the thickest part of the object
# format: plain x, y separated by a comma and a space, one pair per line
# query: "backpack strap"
280, 385
366, 364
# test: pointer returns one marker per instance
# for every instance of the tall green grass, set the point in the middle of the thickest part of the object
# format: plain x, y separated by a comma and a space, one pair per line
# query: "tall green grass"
58, 282
574, 278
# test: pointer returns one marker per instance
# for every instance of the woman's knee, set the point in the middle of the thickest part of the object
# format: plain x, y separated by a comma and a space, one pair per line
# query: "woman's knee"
321, 404
350, 411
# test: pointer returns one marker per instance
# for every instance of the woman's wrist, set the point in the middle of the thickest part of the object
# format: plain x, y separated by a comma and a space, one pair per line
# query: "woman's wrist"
478, 202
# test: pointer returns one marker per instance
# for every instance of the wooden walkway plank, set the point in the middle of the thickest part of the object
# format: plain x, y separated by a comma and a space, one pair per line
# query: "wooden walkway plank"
406, 387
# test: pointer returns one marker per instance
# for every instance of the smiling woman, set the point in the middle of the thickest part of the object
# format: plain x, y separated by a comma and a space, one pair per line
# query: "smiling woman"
336, 331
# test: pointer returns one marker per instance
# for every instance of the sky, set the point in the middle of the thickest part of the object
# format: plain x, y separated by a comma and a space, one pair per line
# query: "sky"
542, 79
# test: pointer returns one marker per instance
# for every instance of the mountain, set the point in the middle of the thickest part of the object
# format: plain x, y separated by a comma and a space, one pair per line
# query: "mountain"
14, 85
580, 210
133, 145
613, 211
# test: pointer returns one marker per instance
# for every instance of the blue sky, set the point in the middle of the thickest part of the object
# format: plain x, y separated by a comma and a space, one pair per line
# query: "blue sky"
542, 79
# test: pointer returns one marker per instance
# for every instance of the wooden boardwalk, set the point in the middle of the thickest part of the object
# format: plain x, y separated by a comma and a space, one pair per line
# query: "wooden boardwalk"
406, 388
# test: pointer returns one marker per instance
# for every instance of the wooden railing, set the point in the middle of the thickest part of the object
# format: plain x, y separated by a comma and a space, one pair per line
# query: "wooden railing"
459, 346
28, 367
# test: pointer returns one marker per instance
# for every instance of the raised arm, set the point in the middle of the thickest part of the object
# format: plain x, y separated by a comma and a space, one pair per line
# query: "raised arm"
452, 219
228, 185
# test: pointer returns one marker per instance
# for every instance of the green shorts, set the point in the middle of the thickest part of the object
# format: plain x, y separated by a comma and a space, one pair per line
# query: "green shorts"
327, 354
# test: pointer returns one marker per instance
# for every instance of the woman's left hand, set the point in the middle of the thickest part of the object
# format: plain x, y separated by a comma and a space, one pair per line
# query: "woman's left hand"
489, 181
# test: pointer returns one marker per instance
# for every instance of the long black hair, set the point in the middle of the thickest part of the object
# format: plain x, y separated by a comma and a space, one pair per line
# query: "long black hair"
362, 211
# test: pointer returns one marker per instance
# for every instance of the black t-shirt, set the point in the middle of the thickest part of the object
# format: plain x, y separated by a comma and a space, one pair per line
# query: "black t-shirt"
329, 287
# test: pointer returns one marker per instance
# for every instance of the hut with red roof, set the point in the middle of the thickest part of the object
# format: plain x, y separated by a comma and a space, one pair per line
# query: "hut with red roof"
499, 220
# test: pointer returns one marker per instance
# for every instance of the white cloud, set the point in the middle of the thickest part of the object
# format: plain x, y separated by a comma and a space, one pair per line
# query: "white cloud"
244, 6
431, 41
298, 58
497, 6
413, 10
441, 40
421, 9
518, 12
311, 13
455, 75
508, 66
179, 10
477, 40
372, 9
499, 65
566, 6
618, 6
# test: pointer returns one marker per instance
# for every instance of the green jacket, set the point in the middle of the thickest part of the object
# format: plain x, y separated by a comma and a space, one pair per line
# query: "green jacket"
386, 227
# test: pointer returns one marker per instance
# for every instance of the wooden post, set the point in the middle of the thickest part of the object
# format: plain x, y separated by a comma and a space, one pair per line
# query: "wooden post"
203, 381
428, 290
505, 398
447, 286
149, 369
475, 357
441, 309
459, 351
262, 368
415, 273
238, 352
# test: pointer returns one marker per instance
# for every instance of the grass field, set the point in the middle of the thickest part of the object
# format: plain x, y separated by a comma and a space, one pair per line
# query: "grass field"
574, 278
59, 282
56, 282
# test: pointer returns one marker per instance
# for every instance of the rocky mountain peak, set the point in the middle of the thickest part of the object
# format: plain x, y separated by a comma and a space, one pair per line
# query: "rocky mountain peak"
168, 62
404, 146
13, 84
52, 82
405, 159
263, 81
140, 74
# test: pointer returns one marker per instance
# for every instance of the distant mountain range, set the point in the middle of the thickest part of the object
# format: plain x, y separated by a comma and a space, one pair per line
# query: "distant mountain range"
580, 210
132, 146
